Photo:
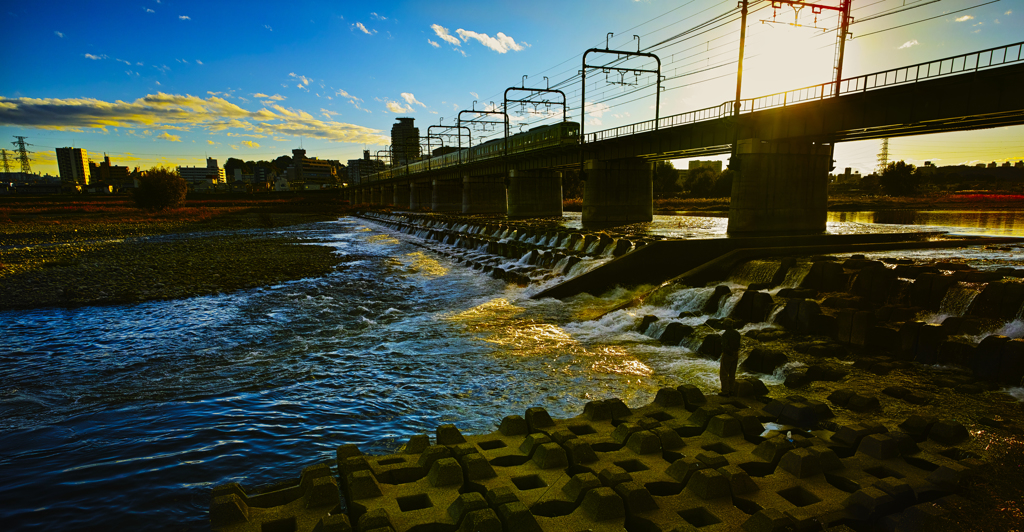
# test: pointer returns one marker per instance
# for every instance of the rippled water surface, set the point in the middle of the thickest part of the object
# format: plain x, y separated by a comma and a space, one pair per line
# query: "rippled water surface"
126, 416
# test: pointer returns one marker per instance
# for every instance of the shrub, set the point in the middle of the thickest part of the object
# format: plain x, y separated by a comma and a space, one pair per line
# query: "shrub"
899, 179
160, 189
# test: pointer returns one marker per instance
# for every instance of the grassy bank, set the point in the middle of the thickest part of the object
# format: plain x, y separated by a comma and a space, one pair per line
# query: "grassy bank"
68, 252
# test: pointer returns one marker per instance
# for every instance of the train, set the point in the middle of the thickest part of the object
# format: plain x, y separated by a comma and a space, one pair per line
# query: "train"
540, 137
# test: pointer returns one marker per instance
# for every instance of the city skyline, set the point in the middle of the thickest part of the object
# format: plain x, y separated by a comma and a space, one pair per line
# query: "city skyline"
171, 83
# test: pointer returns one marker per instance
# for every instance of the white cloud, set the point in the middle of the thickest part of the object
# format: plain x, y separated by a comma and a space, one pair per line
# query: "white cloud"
198, 62
268, 27
345, 94
1008, 12
95, 57
398, 108
378, 17
434, 44
442, 33
148, 10
964, 18
168, 137
908, 44
596, 110
410, 99
210, 142
500, 43
250, 144
177, 112
59, 34
362, 28
184, 17
475, 95
129, 63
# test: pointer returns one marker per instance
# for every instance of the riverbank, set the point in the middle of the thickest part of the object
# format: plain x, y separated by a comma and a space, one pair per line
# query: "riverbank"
972, 201
102, 251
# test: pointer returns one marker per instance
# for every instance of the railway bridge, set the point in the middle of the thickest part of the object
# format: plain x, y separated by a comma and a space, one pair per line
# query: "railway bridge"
781, 147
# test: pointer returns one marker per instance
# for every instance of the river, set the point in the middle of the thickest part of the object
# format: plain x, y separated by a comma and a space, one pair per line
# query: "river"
125, 416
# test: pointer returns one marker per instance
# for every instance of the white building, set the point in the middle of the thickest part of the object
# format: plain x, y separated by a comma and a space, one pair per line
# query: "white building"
211, 174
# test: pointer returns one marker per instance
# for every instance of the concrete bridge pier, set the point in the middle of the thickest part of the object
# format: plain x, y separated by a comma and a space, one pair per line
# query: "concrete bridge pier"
781, 187
534, 193
618, 191
400, 198
484, 194
447, 195
420, 193
375, 195
387, 194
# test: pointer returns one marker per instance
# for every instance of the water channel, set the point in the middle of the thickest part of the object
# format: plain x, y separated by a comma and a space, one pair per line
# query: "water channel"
125, 416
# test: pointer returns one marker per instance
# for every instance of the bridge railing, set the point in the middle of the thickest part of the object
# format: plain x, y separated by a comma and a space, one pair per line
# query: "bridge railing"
958, 64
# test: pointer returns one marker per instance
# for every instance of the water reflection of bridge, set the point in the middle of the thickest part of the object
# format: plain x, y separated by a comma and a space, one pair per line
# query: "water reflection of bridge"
782, 147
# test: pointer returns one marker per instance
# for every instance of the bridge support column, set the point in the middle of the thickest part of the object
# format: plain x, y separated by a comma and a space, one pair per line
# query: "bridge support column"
375, 195
781, 187
618, 190
360, 196
420, 193
484, 194
534, 193
446, 196
400, 199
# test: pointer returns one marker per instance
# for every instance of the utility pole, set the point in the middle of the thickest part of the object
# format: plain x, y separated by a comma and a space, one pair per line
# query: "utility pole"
7, 164
844, 30
739, 71
883, 156
23, 154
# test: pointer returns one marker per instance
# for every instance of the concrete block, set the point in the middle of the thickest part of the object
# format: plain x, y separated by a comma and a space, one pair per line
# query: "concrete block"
513, 426
724, 426
708, 484
692, 396
579, 484
669, 397
740, 482
635, 497
929, 340
516, 516
868, 502
1011, 364
768, 520
537, 418
602, 504
449, 435
879, 446
644, 442
579, 452
801, 463
445, 472
549, 456
948, 432
682, 469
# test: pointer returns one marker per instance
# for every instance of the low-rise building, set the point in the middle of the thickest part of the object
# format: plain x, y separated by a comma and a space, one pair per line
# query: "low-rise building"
199, 177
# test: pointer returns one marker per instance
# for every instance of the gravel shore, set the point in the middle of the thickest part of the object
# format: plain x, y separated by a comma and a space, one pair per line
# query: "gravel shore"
103, 265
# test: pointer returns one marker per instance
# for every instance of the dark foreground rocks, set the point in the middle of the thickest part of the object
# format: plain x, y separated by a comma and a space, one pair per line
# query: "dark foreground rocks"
682, 462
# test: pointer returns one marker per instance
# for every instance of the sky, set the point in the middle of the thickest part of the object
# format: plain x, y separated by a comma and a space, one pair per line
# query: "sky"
171, 82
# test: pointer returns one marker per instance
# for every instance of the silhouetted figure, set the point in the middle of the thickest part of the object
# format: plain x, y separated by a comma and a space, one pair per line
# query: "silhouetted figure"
730, 359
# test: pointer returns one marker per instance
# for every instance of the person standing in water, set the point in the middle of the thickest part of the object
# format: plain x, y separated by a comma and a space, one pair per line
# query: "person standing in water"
730, 359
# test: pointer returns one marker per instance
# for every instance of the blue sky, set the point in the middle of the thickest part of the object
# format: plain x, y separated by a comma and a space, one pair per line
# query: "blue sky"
171, 82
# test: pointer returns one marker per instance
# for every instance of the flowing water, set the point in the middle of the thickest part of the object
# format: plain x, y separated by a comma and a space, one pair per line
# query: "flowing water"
125, 416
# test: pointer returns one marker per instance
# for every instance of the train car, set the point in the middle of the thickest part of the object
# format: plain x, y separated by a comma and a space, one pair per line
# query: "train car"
549, 136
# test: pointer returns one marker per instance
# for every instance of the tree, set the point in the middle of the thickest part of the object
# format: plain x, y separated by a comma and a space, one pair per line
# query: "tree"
700, 182
232, 163
665, 177
899, 179
723, 185
159, 189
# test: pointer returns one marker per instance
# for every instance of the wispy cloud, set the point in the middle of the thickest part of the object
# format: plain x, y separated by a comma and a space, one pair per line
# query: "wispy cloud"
168, 137
908, 44
198, 62
344, 94
303, 79
250, 144
210, 142
964, 18
177, 112
184, 17
410, 99
148, 10
59, 34
95, 57
276, 97
378, 17
268, 27
442, 33
362, 28
475, 95
501, 43
434, 44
